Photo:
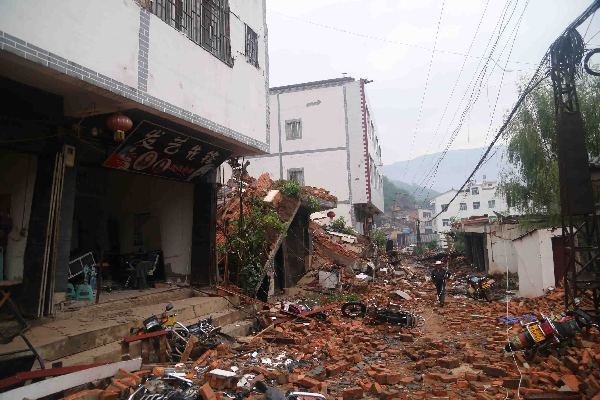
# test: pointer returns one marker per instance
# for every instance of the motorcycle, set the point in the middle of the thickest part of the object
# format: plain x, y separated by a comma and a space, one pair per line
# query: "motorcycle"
178, 334
479, 288
390, 314
299, 308
542, 334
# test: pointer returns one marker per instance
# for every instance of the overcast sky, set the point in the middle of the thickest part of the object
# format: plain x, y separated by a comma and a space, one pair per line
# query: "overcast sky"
390, 42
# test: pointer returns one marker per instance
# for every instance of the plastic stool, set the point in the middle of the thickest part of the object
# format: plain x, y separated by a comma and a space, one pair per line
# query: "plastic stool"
71, 295
85, 292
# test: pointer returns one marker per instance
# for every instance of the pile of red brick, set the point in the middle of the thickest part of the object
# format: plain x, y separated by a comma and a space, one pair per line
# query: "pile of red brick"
457, 352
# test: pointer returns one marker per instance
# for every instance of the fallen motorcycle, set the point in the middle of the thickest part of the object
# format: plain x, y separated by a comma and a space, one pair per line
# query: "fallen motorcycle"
299, 308
540, 335
178, 334
390, 314
479, 288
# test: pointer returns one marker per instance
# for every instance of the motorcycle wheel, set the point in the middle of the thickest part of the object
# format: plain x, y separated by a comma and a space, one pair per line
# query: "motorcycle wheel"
354, 309
177, 340
486, 295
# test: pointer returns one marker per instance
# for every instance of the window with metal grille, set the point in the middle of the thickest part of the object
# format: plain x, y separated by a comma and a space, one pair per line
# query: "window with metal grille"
204, 22
463, 206
491, 203
296, 174
293, 129
445, 222
251, 46
476, 205
474, 190
444, 207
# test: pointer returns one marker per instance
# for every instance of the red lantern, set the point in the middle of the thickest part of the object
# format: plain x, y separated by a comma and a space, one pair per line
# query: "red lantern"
119, 123
331, 215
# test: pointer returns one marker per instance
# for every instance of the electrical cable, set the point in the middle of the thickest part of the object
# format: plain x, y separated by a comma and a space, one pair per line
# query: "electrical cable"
590, 39
532, 84
516, 34
529, 89
427, 77
475, 83
384, 40
590, 24
462, 67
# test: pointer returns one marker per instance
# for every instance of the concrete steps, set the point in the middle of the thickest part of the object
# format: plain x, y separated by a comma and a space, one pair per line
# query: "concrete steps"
231, 321
90, 329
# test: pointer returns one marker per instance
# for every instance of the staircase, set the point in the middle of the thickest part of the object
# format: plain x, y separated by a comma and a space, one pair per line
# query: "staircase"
93, 334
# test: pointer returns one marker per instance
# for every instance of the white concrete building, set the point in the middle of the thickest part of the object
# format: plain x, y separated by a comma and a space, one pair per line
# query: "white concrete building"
324, 134
192, 78
426, 225
496, 248
477, 199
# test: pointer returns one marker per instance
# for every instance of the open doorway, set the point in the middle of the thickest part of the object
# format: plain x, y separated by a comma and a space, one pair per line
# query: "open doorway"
138, 229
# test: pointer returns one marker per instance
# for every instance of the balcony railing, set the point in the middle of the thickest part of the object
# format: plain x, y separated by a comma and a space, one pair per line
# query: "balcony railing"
204, 22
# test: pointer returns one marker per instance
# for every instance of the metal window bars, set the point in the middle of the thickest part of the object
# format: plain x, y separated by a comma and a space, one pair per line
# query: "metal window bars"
204, 22
251, 46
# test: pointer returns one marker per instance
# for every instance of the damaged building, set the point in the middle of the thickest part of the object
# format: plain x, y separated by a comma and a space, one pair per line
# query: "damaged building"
502, 245
324, 134
107, 150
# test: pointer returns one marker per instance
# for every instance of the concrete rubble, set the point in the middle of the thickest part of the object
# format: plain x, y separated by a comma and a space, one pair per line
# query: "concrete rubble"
455, 352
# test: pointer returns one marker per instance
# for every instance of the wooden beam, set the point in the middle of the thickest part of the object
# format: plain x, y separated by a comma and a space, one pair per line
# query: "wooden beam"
60, 383
135, 338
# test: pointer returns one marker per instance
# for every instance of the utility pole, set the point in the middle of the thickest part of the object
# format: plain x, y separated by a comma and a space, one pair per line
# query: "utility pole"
418, 231
580, 225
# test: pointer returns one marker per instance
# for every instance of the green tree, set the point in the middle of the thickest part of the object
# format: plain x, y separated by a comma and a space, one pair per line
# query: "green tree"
391, 194
532, 185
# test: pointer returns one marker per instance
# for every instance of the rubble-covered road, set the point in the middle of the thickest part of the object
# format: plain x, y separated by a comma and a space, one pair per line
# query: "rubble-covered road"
454, 352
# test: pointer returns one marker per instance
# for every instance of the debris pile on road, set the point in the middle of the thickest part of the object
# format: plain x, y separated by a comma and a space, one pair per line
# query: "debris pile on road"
454, 352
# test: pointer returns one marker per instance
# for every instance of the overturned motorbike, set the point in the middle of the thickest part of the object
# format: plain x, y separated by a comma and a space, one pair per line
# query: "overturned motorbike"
178, 334
479, 288
300, 308
391, 313
543, 334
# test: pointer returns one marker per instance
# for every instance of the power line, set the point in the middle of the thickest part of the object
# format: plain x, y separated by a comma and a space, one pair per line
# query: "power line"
590, 24
474, 83
389, 41
531, 85
595, 34
516, 33
420, 113
475, 91
462, 67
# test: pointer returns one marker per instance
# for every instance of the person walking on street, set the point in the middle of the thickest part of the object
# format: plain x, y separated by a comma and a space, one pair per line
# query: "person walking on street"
439, 276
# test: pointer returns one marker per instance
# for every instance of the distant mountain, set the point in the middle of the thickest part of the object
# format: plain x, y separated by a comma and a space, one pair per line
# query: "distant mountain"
422, 195
404, 195
452, 171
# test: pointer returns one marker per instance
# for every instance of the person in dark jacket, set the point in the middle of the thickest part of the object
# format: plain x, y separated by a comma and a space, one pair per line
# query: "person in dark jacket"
439, 275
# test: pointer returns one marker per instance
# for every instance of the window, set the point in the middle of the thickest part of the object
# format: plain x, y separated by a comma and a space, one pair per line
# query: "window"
444, 207
204, 22
474, 190
293, 129
427, 223
476, 205
426, 215
463, 206
445, 222
491, 203
251, 46
296, 174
